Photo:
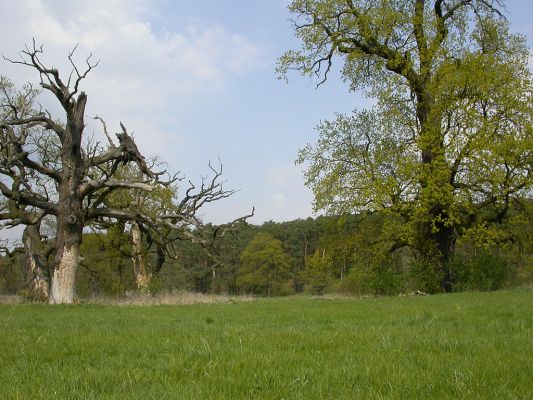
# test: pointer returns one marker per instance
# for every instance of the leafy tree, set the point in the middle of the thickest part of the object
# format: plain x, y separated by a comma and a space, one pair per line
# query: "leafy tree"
448, 148
318, 271
264, 266
299, 238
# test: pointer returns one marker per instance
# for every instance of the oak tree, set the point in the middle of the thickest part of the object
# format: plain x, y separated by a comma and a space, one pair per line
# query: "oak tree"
448, 146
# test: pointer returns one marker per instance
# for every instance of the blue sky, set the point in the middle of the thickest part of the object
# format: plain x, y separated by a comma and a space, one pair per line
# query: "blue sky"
195, 81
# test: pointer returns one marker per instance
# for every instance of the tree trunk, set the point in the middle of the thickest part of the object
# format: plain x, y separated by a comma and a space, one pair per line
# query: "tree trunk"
70, 218
142, 276
64, 277
69, 238
436, 189
34, 264
445, 238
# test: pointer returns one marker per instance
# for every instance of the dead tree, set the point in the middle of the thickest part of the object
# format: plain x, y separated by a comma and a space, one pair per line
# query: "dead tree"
73, 186
170, 221
37, 250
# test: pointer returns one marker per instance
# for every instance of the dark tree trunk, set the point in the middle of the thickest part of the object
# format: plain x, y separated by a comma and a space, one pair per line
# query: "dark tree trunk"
437, 238
445, 239
70, 218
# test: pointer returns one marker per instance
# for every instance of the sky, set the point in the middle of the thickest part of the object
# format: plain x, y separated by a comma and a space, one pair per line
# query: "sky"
195, 81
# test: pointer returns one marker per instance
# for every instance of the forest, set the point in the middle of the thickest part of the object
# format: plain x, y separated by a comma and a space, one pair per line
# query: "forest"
314, 256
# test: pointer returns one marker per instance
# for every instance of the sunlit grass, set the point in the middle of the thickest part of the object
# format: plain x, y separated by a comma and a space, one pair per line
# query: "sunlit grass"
471, 346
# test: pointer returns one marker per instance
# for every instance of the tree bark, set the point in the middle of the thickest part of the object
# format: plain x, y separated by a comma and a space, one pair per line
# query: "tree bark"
69, 238
37, 287
142, 276
434, 182
64, 277
70, 218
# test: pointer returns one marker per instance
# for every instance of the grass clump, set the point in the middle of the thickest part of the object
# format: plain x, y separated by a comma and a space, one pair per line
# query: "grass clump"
167, 298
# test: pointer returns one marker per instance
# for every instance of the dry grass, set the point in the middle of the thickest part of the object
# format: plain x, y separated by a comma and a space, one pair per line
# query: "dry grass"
169, 298
11, 299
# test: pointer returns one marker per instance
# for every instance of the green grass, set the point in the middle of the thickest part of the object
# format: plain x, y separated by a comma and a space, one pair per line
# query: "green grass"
470, 346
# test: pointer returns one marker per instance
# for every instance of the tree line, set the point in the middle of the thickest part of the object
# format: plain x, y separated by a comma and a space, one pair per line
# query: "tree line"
328, 254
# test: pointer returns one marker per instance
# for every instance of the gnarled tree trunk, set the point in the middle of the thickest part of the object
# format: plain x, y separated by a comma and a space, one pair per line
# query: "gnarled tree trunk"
37, 287
142, 275
70, 218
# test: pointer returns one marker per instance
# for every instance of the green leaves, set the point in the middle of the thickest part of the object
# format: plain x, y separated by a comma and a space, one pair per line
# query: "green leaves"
448, 146
264, 265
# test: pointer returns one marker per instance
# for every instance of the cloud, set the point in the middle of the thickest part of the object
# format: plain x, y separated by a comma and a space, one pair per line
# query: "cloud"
146, 76
290, 198
193, 58
279, 199
284, 176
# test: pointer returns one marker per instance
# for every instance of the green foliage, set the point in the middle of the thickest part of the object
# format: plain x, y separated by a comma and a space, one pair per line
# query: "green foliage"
447, 150
156, 202
424, 275
483, 271
379, 275
265, 266
348, 254
106, 266
386, 279
318, 271
11, 279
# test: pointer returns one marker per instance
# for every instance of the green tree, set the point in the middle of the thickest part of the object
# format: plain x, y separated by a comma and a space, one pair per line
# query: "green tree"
265, 266
105, 268
448, 148
318, 271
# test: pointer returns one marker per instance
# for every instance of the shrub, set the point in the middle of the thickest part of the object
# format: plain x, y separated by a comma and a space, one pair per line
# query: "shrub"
484, 271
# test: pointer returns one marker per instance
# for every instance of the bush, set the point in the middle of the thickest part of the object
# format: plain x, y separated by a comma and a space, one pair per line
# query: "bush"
386, 279
484, 271
424, 275
382, 277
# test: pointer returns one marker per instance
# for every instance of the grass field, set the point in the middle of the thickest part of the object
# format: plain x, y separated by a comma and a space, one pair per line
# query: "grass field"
470, 346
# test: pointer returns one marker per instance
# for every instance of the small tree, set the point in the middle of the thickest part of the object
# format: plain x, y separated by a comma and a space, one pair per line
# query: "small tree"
318, 271
264, 266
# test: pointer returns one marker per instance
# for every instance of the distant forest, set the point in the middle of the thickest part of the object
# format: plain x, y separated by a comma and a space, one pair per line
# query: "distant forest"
348, 254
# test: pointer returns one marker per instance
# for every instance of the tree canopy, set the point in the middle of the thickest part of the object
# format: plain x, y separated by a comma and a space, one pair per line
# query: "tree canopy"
264, 265
448, 147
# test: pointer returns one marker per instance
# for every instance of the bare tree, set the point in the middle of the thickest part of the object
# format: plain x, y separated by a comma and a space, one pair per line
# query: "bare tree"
73, 185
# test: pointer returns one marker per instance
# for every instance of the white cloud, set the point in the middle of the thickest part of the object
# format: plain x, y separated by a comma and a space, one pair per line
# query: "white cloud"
278, 199
284, 176
146, 78
290, 198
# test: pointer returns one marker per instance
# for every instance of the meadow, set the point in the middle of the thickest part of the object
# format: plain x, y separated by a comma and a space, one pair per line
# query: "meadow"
466, 345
